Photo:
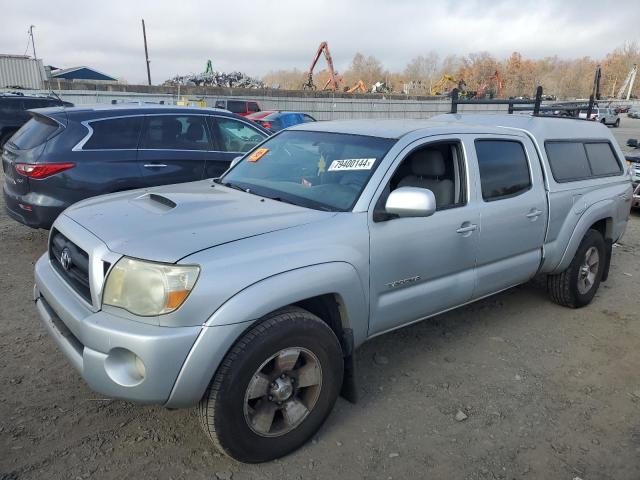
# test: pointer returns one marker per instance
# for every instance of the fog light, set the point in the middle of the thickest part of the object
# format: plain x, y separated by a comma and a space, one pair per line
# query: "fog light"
124, 367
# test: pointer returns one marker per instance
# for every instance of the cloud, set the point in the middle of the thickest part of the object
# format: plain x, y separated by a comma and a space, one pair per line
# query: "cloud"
256, 36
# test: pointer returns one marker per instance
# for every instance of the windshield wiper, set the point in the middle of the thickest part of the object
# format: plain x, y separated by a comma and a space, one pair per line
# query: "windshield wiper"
233, 185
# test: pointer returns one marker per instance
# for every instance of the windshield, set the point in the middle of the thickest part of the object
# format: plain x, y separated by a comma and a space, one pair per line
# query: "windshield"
325, 171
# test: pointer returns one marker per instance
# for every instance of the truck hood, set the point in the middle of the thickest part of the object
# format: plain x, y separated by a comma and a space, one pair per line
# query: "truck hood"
168, 223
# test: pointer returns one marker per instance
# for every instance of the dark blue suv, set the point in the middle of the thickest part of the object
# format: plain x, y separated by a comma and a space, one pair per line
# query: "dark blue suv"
63, 155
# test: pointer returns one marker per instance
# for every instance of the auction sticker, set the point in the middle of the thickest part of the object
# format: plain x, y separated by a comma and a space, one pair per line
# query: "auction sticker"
258, 154
352, 164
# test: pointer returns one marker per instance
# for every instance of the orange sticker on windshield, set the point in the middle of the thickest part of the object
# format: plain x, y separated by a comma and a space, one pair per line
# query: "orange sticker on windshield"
258, 154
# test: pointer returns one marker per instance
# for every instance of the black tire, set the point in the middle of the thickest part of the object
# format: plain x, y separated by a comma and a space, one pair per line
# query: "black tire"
563, 287
617, 124
222, 409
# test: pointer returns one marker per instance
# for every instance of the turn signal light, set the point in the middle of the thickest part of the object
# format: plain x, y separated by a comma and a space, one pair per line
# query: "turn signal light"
42, 170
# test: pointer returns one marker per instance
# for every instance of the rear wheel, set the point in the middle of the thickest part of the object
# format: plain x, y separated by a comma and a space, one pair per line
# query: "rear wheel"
275, 387
577, 285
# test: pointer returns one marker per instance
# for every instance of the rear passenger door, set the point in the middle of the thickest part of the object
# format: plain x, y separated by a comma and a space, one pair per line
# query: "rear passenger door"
174, 148
106, 159
513, 212
233, 137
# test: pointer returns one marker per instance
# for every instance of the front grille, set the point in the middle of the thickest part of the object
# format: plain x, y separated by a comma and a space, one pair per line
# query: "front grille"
75, 269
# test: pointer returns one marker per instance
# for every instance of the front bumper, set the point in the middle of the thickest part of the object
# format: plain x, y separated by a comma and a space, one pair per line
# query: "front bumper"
635, 202
125, 359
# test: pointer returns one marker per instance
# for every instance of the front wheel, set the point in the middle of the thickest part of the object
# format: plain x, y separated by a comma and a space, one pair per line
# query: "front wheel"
578, 284
275, 388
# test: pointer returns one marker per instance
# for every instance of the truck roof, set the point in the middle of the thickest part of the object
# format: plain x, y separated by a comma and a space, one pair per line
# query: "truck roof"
542, 128
386, 128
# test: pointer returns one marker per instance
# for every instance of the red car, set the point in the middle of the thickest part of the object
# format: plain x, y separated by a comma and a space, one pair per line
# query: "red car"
239, 107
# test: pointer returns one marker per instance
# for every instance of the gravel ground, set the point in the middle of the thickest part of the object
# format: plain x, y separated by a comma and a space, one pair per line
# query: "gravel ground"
509, 387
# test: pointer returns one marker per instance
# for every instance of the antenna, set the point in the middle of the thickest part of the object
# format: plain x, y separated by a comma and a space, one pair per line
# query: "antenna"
146, 51
33, 43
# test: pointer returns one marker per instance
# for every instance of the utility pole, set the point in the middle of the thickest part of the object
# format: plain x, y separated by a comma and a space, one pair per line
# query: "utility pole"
146, 51
33, 43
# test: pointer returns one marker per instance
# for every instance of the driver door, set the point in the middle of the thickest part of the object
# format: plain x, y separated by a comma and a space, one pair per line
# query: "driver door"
233, 138
421, 266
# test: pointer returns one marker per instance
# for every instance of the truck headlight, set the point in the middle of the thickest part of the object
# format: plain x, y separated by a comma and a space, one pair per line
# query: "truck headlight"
148, 288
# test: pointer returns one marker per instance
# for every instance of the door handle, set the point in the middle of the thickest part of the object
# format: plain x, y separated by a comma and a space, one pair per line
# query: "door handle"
154, 165
534, 213
467, 229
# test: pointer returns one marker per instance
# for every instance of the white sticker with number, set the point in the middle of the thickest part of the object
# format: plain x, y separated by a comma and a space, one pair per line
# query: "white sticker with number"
352, 164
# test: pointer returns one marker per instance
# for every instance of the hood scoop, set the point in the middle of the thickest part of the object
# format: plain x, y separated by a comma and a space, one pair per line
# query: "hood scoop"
155, 203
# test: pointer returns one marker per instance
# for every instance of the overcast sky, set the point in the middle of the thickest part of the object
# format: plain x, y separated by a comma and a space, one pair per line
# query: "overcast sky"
262, 35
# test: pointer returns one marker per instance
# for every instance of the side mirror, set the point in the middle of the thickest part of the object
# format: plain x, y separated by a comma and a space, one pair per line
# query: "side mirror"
235, 161
411, 202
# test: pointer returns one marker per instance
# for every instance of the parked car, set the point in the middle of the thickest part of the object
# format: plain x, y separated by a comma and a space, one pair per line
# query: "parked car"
13, 111
634, 168
622, 108
62, 156
274, 121
606, 116
239, 107
248, 295
634, 113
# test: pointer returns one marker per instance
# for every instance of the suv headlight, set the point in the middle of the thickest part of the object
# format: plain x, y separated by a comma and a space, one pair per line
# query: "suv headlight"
148, 288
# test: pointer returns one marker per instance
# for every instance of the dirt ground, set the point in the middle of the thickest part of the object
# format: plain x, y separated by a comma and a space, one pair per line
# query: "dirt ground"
549, 393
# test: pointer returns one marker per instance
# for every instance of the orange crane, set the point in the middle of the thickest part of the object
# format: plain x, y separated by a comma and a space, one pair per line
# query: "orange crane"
485, 89
334, 79
360, 86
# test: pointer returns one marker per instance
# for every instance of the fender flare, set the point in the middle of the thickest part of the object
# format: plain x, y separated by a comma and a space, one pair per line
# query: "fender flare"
599, 211
239, 313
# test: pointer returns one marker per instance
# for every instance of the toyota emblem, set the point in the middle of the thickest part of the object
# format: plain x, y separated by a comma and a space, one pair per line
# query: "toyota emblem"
65, 258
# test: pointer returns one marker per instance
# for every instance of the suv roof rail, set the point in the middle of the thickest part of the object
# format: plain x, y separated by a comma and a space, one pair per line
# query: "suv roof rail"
571, 109
136, 102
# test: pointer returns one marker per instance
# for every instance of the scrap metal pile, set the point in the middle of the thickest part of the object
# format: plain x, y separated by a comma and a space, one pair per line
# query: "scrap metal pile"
216, 79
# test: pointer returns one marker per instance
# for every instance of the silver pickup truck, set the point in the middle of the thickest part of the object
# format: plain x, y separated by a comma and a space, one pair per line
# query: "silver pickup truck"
247, 295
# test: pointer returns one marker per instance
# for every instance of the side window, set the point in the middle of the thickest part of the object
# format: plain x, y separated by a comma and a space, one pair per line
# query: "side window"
176, 132
114, 133
253, 107
438, 167
602, 159
236, 136
220, 104
236, 106
504, 170
9, 106
307, 118
568, 161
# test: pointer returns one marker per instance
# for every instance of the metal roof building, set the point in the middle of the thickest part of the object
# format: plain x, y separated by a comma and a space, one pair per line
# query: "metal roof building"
21, 71
83, 74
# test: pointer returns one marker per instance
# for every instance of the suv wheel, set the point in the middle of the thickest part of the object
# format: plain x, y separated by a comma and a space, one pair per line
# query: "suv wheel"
577, 285
275, 388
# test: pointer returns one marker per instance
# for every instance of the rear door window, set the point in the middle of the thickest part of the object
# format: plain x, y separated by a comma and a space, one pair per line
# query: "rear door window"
568, 161
114, 134
602, 159
504, 169
35, 132
176, 132
253, 107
